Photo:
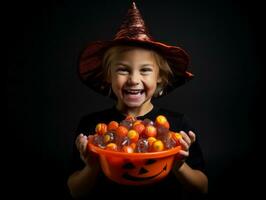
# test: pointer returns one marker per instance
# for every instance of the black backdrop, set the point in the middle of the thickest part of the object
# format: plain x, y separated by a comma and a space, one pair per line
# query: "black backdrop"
46, 98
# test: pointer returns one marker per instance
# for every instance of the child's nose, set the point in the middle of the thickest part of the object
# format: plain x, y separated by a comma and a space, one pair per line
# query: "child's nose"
134, 79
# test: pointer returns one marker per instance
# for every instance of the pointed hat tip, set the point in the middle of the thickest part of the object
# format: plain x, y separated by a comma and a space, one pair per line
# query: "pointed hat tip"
134, 5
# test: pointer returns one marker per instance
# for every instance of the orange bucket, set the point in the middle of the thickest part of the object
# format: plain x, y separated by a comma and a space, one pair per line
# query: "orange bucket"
135, 168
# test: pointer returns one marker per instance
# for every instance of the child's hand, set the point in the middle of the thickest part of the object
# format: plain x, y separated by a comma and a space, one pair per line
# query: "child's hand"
185, 142
88, 157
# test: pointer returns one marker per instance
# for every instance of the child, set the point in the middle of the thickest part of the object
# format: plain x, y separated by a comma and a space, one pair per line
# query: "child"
133, 69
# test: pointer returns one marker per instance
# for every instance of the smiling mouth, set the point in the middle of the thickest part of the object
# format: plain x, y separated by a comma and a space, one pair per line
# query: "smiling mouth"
134, 178
133, 91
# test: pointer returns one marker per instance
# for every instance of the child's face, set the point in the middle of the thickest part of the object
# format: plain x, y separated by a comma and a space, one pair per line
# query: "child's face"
134, 77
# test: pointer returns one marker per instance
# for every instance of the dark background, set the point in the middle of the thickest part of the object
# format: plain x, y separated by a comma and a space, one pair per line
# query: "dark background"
46, 98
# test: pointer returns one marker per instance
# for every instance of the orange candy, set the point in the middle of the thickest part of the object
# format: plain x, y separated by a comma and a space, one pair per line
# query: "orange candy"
122, 131
112, 126
150, 131
128, 149
176, 136
133, 145
130, 118
130, 131
151, 140
133, 135
111, 146
137, 122
139, 127
101, 128
162, 121
166, 125
106, 138
157, 146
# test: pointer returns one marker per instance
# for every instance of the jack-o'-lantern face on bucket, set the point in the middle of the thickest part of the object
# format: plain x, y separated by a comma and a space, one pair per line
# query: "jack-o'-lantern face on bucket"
137, 171
143, 173
136, 168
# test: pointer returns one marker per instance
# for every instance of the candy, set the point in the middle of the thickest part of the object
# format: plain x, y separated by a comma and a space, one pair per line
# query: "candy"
150, 131
112, 126
157, 146
162, 121
101, 128
139, 127
122, 131
132, 135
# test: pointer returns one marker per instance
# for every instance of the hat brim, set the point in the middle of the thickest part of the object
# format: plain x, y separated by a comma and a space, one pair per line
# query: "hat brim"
90, 62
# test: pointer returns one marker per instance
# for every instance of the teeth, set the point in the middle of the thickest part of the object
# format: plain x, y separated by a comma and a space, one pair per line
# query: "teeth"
133, 91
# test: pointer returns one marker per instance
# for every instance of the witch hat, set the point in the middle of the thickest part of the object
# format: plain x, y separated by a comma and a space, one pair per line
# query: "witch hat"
132, 32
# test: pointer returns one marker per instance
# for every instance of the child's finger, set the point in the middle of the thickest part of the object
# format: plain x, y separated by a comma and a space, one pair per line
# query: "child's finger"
78, 139
77, 142
185, 137
192, 136
183, 153
184, 144
81, 142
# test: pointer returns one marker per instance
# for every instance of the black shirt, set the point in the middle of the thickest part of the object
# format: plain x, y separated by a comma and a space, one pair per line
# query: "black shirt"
169, 186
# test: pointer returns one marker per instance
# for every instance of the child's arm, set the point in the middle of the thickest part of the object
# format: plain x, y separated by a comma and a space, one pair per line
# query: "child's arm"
82, 181
193, 179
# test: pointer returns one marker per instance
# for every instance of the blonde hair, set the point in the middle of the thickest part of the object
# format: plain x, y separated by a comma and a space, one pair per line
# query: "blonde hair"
165, 71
